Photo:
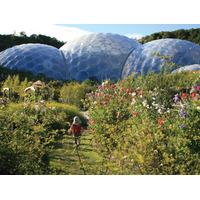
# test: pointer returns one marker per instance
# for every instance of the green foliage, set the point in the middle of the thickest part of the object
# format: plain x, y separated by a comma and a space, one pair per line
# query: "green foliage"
29, 132
167, 66
5, 73
192, 35
7, 41
69, 92
74, 93
136, 126
139, 127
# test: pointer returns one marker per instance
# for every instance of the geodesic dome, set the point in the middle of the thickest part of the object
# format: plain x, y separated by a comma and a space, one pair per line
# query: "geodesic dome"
145, 58
98, 55
194, 67
35, 58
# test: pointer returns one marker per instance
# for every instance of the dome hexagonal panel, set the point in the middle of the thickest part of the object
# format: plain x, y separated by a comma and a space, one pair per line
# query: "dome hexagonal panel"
98, 55
145, 58
35, 58
194, 67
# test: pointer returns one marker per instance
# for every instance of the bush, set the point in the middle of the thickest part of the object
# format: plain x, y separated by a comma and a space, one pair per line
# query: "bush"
74, 93
147, 125
29, 132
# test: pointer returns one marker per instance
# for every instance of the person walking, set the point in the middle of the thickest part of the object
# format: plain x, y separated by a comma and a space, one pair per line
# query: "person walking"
76, 130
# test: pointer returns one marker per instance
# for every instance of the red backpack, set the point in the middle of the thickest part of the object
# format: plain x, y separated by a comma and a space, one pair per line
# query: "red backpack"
76, 128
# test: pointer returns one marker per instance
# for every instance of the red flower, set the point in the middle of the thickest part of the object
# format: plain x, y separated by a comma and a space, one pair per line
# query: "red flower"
184, 96
161, 122
134, 114
193, 95
113, 85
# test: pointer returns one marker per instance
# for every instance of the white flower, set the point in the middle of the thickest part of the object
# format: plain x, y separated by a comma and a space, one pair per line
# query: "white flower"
125, 157
31, 88
133, 94
42, 101
37, 107
154, 103
144, 103
133, 101
6, 89
105, 83
147, 106
159, 111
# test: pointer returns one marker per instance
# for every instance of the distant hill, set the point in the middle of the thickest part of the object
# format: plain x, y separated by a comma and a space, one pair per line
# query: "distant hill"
192, 35
7, 41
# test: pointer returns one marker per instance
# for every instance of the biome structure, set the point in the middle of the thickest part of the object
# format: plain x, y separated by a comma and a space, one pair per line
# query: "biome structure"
101, 56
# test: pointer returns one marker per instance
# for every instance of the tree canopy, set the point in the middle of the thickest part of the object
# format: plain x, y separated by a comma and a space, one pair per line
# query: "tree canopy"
7, 41
192, 35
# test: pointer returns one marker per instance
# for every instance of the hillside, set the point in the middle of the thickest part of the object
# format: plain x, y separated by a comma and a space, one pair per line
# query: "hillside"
192, 35
7, 41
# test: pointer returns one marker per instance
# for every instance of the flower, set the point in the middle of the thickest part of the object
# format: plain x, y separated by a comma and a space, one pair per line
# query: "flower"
184, 96
176, 98
159, 111
155, 105
105, 83
197, 87
133, 102
182, 113
161, 122
168, 110
144, 103
133, 94
182, 126
194, 95
134, 114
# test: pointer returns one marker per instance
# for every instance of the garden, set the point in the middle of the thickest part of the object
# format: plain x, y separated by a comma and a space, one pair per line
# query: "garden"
139, 125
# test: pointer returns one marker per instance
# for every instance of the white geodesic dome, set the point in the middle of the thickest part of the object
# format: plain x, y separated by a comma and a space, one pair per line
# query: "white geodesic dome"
35, 58
194, 67
145, 59
98, 55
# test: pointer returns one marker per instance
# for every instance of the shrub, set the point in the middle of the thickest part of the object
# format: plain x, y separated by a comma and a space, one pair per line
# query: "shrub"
74, 93
28, 133
147, 125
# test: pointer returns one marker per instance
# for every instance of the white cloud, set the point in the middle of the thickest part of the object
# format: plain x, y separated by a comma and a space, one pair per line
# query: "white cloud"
134, 35
62, 33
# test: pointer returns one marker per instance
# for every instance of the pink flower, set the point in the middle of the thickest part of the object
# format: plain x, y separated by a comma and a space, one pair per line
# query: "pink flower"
161, 122
193, 95
184, 96
197, 88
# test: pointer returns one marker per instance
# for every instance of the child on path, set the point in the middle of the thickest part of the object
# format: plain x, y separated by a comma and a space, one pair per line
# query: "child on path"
76, 130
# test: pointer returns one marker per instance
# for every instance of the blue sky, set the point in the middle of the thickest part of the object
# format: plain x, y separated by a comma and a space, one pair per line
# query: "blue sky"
69, 32
137, 29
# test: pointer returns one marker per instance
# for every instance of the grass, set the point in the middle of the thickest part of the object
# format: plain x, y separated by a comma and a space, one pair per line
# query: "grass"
67, 159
